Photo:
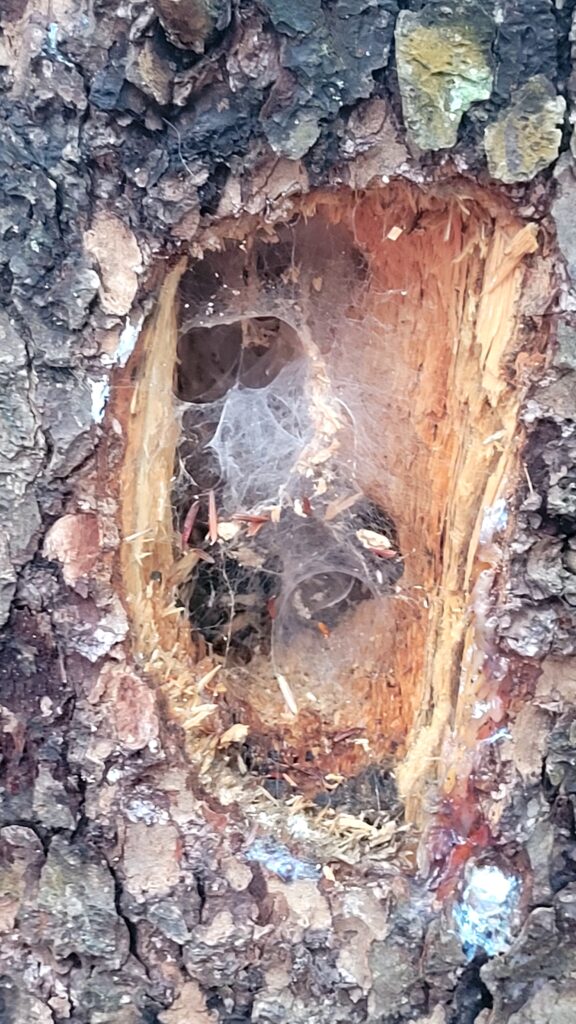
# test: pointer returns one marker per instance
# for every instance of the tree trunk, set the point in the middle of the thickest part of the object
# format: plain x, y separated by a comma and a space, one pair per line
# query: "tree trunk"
288, 548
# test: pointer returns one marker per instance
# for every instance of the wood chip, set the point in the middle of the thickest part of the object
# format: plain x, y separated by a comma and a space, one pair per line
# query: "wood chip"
339, 505
227, 531
185, 565
207, 678
235, 734
198, 714
349, 822
134, 536
373, 541
287, 694
525, 241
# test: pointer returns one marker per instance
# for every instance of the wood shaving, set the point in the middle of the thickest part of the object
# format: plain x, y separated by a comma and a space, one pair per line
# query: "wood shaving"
235, 734
198, 714
185, 566
227, 531
372, 540
287, 694
339, 505
207, 678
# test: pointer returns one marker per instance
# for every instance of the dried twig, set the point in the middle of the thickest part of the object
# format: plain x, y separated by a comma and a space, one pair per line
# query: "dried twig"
212, 517
189, 521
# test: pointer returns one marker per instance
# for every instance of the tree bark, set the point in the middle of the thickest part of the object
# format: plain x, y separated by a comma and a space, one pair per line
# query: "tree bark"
287, 556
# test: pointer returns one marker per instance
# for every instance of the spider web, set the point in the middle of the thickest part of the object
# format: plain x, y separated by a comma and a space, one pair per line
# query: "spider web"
278, 389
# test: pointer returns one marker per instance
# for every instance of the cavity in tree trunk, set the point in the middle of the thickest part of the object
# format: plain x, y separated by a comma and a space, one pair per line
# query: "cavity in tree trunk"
288, 561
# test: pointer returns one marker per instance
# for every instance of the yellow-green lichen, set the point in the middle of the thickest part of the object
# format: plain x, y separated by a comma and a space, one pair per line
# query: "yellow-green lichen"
444, 65
526, 137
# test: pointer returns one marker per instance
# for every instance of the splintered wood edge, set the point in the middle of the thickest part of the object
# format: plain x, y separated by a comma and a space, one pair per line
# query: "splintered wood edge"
161, 636
483, 386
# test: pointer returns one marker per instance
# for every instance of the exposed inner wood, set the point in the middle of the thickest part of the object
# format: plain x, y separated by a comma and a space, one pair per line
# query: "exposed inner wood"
423, 331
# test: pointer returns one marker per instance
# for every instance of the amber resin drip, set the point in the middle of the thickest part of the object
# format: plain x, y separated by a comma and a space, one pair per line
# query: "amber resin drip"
374, 341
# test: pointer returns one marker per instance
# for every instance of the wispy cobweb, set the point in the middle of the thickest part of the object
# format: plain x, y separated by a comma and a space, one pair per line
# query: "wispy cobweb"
273, 435
261, 435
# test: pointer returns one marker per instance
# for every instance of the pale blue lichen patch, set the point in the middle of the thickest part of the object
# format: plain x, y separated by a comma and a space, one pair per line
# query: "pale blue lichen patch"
443, 55
278, 859
486, 910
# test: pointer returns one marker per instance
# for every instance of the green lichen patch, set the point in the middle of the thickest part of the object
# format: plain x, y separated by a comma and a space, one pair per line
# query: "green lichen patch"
444, 65
526, 137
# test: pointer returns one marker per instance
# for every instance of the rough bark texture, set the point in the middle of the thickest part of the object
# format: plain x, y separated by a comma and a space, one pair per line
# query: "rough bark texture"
129, 892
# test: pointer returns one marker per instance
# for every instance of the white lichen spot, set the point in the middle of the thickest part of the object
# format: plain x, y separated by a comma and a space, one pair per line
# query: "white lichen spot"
484, 913
46, 706
127, 341
100, 392
494, 520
